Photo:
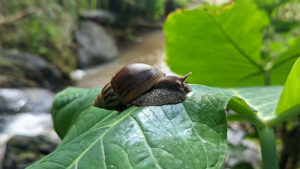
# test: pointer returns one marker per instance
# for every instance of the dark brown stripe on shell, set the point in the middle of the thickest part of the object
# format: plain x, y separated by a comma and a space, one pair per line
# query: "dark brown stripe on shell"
106, 89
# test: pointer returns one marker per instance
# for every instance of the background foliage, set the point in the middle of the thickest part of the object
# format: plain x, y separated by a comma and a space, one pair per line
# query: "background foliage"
45, 31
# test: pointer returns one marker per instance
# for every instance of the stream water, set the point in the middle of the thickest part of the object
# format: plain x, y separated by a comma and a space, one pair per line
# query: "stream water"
149, 49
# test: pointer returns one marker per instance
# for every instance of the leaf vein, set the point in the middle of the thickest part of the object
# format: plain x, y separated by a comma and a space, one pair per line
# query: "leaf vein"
90, 146
146, 142
233, 43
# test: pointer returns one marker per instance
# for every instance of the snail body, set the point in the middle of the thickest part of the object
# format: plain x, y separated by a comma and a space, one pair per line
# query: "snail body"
141, 85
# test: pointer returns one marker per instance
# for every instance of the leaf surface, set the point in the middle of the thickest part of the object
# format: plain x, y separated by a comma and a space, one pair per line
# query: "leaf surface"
187, 135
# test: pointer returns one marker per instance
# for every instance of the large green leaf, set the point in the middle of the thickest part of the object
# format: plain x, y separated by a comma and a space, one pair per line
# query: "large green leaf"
222, 46
187, 135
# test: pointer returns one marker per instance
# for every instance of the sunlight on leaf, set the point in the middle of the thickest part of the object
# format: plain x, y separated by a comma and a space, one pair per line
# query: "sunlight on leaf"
221, 46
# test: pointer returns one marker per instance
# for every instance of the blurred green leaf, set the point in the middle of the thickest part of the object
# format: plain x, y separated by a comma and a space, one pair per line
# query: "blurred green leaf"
267, 5
221, 46
283, 64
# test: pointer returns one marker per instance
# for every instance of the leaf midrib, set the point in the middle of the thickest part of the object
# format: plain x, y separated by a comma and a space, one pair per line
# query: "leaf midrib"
233, 43
146, 142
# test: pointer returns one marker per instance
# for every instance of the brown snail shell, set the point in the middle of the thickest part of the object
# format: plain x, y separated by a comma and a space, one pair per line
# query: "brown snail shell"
141, 85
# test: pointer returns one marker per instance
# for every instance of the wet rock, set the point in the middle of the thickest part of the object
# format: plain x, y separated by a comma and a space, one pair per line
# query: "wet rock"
99, 16
241, 152
25, 124
22, 151
95, 45
77, 74
25, 100
18, 69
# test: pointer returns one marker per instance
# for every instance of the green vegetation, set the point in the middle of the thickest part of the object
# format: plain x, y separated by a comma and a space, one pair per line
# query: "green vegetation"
237, 45
44, 29
151, 9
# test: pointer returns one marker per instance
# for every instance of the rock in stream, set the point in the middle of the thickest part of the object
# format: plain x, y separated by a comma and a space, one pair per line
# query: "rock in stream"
94, 44
26, 129
22, 151
20, 69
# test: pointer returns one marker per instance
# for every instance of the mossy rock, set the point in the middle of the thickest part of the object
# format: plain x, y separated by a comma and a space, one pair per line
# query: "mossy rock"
21, 151
25, 70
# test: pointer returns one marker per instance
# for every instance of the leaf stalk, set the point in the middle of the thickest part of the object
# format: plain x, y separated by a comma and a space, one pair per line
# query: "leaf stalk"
268, 147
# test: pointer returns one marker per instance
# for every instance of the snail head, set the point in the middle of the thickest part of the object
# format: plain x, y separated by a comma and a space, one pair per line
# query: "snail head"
174, 82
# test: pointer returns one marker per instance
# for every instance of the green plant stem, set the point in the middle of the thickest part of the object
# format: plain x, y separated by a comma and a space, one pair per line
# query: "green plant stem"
267, 78
240, 106
268, 147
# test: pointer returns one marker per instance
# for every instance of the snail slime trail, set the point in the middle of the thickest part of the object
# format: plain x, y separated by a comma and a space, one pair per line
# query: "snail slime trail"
140, 84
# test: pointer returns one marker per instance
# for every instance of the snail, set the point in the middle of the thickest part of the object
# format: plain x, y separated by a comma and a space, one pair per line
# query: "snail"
142, 85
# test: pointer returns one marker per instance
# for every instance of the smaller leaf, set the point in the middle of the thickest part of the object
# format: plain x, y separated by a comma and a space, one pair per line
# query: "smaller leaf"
289, 103
291, 92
